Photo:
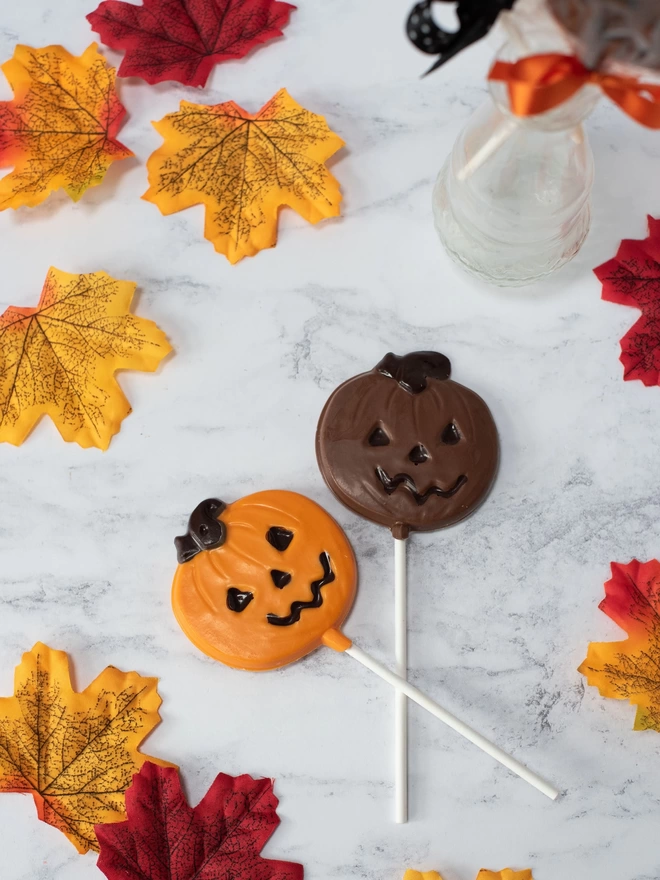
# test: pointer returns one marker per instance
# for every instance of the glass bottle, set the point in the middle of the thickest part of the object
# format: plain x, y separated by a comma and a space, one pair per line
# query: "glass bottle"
512, 204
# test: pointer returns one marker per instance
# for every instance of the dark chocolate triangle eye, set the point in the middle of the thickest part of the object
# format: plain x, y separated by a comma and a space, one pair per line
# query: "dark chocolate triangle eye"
237, 600
279, 537
450, 435
378, 437
280, 578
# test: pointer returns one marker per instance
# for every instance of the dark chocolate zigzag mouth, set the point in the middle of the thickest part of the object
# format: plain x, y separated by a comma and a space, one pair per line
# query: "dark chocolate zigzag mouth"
391, 484
315, 602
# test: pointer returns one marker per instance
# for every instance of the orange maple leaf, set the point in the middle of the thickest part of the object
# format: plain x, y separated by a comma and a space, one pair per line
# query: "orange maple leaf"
506, 874
75, 753
60, 128
243, 168
421, 875
60, 358
630, 670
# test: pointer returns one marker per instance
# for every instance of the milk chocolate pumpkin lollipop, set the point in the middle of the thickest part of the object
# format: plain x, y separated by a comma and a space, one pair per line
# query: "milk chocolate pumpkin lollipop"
268, 579
406, 447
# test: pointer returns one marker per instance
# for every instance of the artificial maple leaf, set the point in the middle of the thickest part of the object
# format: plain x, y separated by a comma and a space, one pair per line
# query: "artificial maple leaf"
506, 874
632, 278
421, 875
60, 128
60, 358
75, 753
182, 40
243, 168
630, 670
219, 839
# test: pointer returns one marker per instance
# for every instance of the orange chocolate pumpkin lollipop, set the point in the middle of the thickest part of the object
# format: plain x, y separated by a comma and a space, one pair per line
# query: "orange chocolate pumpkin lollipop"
267, 579
267, 583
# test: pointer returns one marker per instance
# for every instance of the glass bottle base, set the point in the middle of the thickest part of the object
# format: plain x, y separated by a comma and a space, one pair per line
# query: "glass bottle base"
502, 263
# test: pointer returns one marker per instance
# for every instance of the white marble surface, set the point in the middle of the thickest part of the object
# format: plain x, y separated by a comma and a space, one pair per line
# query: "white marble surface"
502, 606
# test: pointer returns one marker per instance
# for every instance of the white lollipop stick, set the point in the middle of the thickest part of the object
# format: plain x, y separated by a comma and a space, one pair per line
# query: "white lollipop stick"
459, 726
497, 139
400, 699
506, 128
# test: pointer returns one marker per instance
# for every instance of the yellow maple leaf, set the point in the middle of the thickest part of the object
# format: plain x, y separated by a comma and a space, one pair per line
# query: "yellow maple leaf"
60, 129
506, 874
421, 875
60, 358
75, 753
243, 168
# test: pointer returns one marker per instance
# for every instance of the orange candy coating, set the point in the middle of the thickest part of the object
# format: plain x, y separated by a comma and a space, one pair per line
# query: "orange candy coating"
248, 565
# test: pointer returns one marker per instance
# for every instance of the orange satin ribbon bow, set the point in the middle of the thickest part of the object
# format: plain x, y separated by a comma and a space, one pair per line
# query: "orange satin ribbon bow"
541, 82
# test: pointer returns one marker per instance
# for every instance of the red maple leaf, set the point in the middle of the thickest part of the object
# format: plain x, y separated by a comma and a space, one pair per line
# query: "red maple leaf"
632, 278
219, 839
182, 40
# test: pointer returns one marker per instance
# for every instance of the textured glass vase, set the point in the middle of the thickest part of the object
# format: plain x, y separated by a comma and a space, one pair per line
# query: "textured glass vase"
512, 202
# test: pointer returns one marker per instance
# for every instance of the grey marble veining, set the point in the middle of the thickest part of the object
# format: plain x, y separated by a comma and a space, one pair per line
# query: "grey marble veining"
501, 606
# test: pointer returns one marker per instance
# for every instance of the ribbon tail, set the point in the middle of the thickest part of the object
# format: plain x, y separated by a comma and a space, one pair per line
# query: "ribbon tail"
644, 110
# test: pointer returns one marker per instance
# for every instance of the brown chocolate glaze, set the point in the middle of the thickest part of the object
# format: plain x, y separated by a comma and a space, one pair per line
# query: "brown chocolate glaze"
279, 538
406, 448
626, 31
205, 530
412, 371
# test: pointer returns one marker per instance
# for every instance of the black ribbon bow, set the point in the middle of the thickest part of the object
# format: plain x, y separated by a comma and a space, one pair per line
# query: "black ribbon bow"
476, 18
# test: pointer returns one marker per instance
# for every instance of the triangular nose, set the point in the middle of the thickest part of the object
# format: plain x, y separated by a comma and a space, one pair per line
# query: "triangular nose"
418, 454
280, 578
